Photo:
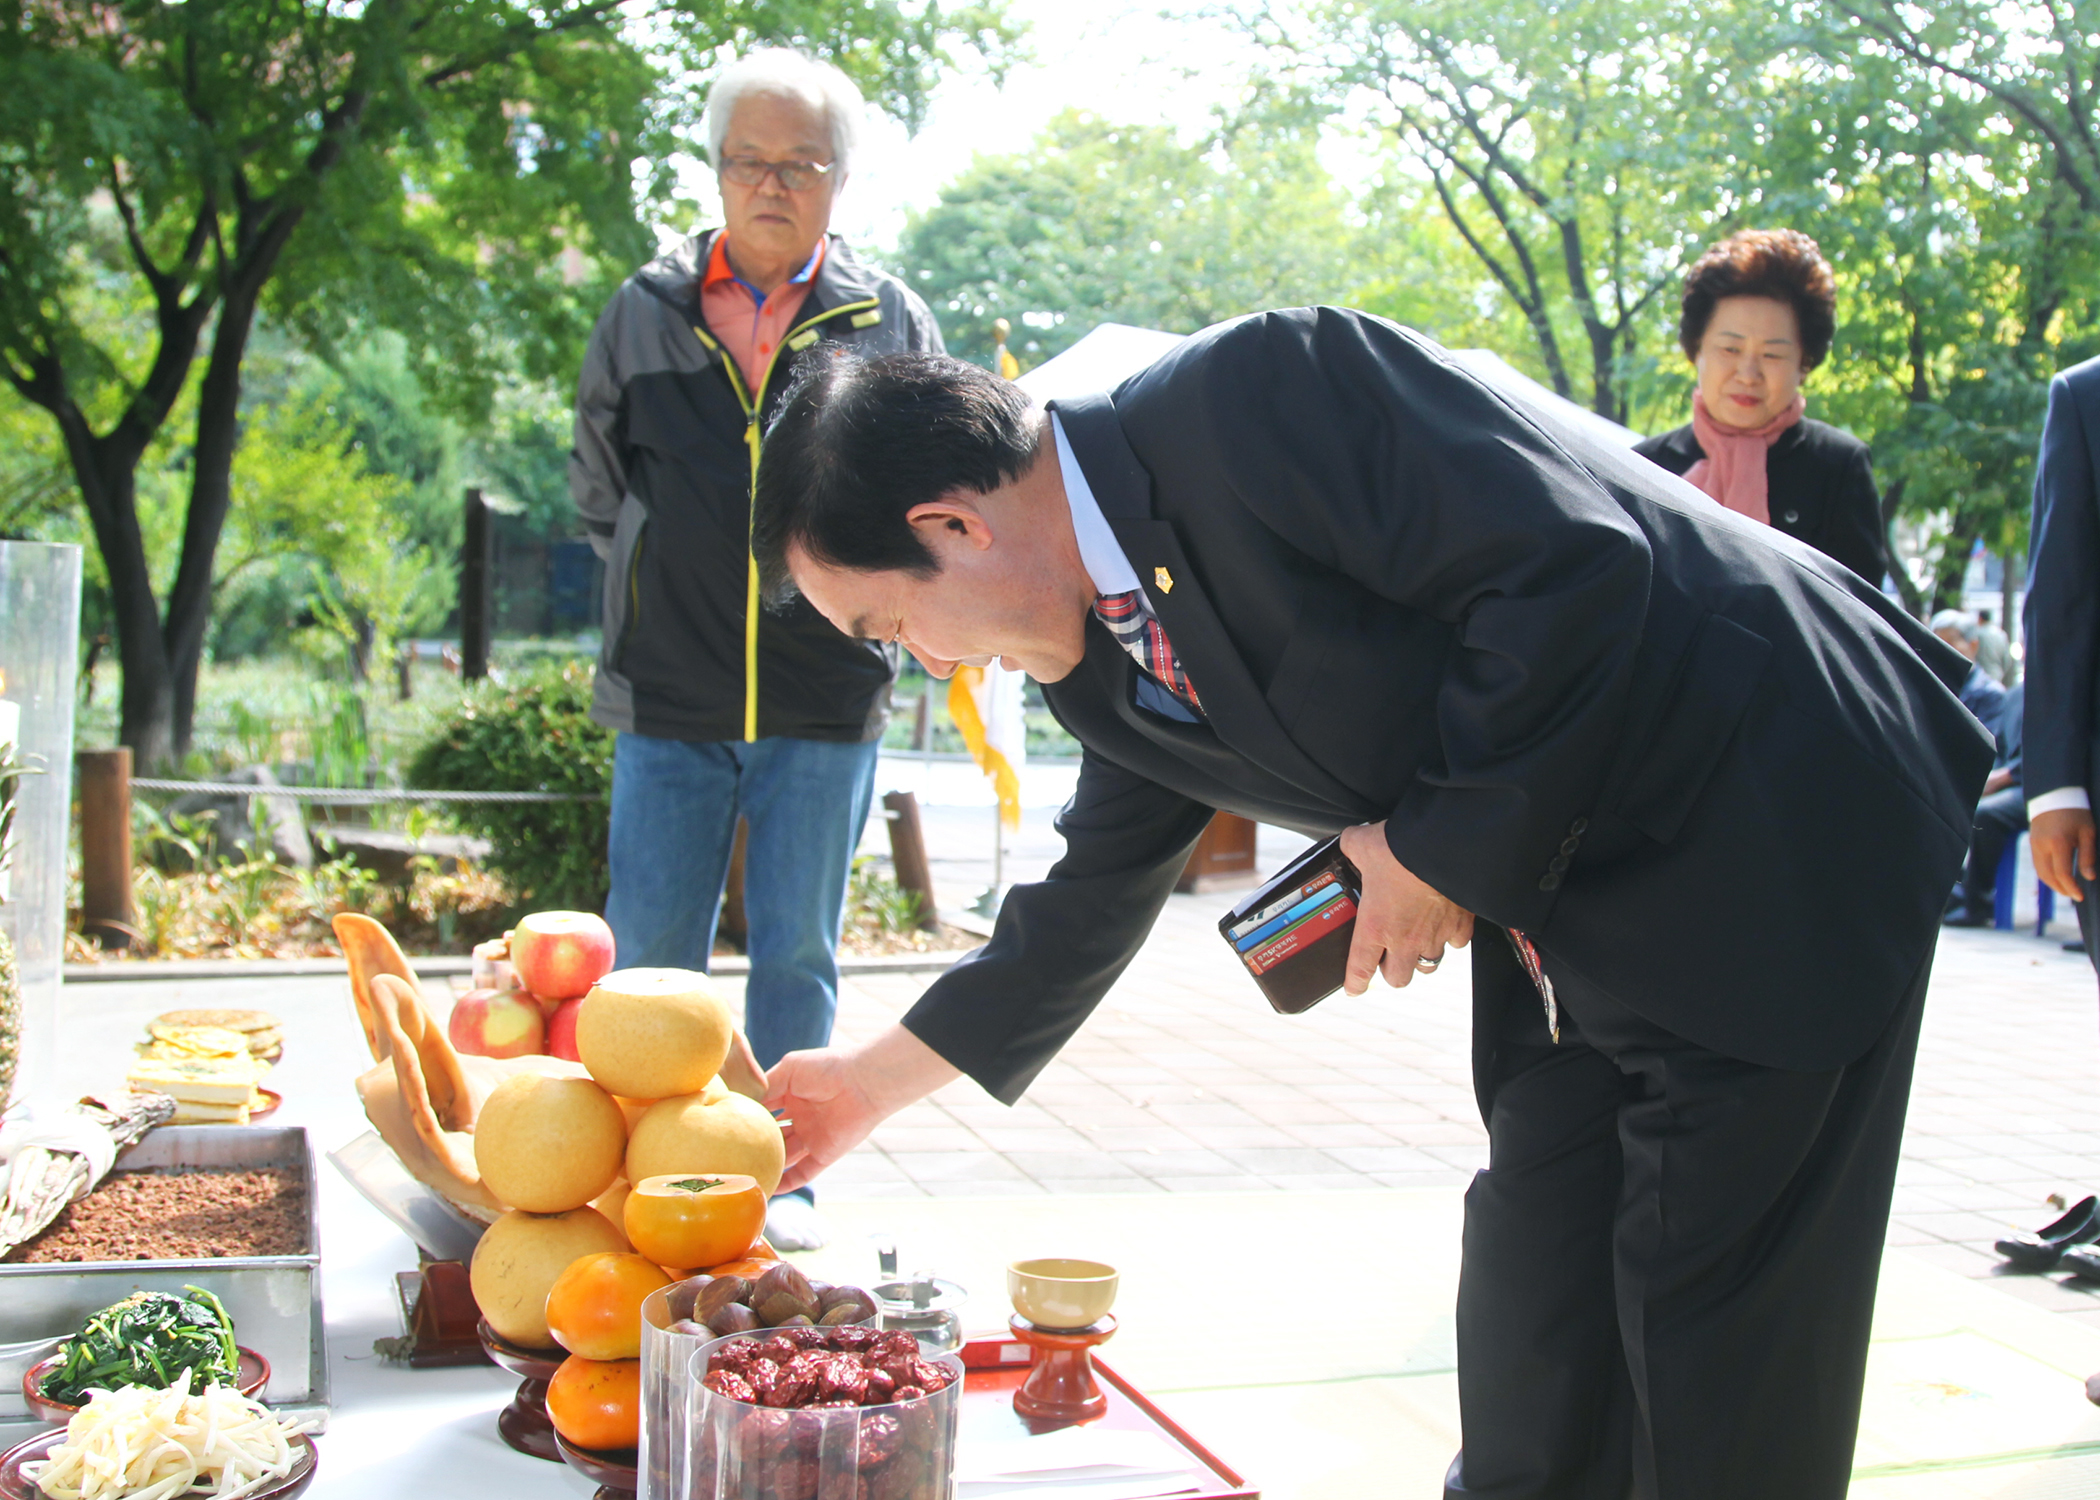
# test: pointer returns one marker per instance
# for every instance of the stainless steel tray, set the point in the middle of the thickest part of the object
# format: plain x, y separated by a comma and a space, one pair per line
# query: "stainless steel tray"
274, 1300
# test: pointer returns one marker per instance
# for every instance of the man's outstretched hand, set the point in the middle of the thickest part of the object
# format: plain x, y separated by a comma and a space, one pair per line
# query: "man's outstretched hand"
830, 1098
2063, 845
1400, 919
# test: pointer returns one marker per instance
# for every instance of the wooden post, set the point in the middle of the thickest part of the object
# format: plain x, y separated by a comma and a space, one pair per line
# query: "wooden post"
476, 564
908, 852
404, 673
733, 926
1223, 858
105, 845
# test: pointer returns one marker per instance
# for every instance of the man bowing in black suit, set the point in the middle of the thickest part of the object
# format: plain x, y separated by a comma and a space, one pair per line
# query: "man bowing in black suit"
1699, 792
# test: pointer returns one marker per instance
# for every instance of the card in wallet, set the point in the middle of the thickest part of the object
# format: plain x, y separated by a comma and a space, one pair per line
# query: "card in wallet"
1293, 934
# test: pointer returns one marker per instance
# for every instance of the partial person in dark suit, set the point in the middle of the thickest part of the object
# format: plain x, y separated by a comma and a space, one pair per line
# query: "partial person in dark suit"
1700, 791
1759, 311
2062, 630
2001, 817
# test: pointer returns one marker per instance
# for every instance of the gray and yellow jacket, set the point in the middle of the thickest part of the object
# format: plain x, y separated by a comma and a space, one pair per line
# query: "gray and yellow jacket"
667, 444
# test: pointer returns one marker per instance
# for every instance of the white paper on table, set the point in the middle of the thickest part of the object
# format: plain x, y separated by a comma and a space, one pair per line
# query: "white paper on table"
1082, 1463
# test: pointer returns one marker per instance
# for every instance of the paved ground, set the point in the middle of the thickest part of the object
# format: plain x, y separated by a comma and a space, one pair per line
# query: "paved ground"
1185, 1081
1198, 1140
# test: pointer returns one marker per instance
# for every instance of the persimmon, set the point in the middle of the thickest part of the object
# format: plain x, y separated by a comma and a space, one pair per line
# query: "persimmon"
594, 1307
597, 1403
687, 1220
750, 1267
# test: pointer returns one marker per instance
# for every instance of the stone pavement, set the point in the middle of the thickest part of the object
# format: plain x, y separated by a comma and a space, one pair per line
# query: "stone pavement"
1223, 1155
1185, 1081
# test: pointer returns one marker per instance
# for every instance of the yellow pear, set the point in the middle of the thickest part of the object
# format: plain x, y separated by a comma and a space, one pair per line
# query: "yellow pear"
653, 1033
547, 1145
519, 1258
703, 1134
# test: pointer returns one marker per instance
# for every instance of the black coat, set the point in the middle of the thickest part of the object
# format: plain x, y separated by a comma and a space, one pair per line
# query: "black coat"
2062, 619
661, 474
1820, 483
1702, 766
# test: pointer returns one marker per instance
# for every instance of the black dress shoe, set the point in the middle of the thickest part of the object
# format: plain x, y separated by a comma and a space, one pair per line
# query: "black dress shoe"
1968, 917
2076, 945
2041, 1249
2083, 1262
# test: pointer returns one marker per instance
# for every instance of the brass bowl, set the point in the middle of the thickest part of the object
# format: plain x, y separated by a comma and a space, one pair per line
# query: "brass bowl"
1061, 1294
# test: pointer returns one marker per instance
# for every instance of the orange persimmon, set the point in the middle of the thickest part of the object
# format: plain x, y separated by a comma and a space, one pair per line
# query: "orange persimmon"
688, 1219
594, 1307
597, 1403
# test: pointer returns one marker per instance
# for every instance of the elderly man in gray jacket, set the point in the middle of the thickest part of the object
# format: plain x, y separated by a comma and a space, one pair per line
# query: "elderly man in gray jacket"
722, 709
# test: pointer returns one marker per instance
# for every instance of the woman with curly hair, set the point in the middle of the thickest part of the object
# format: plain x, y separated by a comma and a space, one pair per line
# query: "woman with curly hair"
1759, 311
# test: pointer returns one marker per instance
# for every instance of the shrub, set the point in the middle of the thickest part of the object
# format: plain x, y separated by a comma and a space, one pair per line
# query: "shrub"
531, 734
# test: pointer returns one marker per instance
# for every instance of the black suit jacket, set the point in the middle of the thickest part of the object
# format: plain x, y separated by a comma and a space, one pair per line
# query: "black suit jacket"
1700, 764
2062, 620
1820, 482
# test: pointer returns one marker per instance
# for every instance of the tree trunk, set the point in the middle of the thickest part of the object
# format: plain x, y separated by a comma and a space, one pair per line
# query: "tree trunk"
106, 470
211, 467
211, 496
1954, 564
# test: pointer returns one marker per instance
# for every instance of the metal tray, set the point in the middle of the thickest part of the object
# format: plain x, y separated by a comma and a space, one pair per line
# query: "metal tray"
274, 1300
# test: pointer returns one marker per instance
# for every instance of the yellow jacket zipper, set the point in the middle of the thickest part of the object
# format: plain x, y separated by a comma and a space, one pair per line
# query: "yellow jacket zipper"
753, 405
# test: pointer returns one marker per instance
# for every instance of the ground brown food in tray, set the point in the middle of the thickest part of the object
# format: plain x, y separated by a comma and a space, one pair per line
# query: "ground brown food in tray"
182, 1214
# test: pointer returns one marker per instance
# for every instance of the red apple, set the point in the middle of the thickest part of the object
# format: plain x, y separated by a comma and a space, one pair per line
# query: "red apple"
559, 955
561, 1031
496, 1023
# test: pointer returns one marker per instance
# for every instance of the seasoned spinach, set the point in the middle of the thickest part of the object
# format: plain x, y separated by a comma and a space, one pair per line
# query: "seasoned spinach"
148, 1339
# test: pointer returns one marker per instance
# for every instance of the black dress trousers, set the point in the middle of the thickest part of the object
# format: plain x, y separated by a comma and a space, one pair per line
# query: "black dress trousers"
1670, 1260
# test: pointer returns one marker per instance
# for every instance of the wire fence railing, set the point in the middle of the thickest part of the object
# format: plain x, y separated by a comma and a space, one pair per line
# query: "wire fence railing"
348, 796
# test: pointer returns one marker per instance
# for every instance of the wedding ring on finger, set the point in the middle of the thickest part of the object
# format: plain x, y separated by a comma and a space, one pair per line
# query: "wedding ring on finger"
1427, 964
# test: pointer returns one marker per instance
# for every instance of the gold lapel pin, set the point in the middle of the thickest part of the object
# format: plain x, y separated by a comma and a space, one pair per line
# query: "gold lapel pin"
1164, 579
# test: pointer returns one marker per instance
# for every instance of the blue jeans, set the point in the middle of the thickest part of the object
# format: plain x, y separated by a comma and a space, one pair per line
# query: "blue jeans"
674, 809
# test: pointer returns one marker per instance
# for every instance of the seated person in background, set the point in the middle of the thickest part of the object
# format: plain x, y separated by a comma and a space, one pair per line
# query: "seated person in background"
2000, 817
1982, 695
1994, 650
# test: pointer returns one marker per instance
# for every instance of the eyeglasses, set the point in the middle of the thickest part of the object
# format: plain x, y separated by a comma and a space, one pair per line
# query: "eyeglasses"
795, 176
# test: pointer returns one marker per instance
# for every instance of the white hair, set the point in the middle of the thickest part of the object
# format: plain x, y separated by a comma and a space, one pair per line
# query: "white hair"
1960, 620
785, 72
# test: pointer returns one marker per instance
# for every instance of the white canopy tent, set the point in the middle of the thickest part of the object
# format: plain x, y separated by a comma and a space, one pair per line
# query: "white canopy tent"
1113, 352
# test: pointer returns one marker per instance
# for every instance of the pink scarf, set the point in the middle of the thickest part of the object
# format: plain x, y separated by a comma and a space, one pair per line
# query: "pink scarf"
1733, 471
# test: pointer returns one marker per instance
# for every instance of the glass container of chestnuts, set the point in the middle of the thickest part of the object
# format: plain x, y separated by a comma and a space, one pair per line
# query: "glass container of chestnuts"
680, 1319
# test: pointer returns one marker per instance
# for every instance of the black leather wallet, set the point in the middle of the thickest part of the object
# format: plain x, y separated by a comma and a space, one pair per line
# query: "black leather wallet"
1293, 934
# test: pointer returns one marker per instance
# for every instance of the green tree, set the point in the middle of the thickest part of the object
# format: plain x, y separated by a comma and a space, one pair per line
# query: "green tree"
474, 174
1964, 272
1571, 146
1100, 222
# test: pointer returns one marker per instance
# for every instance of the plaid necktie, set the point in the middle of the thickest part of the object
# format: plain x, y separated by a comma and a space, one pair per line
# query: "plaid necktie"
1135, 629
1528, 956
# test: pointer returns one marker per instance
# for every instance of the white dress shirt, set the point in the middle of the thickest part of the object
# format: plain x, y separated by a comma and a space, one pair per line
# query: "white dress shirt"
2055, 801
1098, 549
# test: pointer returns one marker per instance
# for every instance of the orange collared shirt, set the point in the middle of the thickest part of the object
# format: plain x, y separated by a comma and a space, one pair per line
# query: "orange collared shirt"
749, 324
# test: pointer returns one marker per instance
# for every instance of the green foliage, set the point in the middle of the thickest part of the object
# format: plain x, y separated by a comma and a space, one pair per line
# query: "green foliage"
1584, 150
1111, 223
531, 735
475, 175
875, 903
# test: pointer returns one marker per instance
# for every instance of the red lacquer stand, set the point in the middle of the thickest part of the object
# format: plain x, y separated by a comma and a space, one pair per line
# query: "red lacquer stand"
524, 1423
996, 1368
1061, 1387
